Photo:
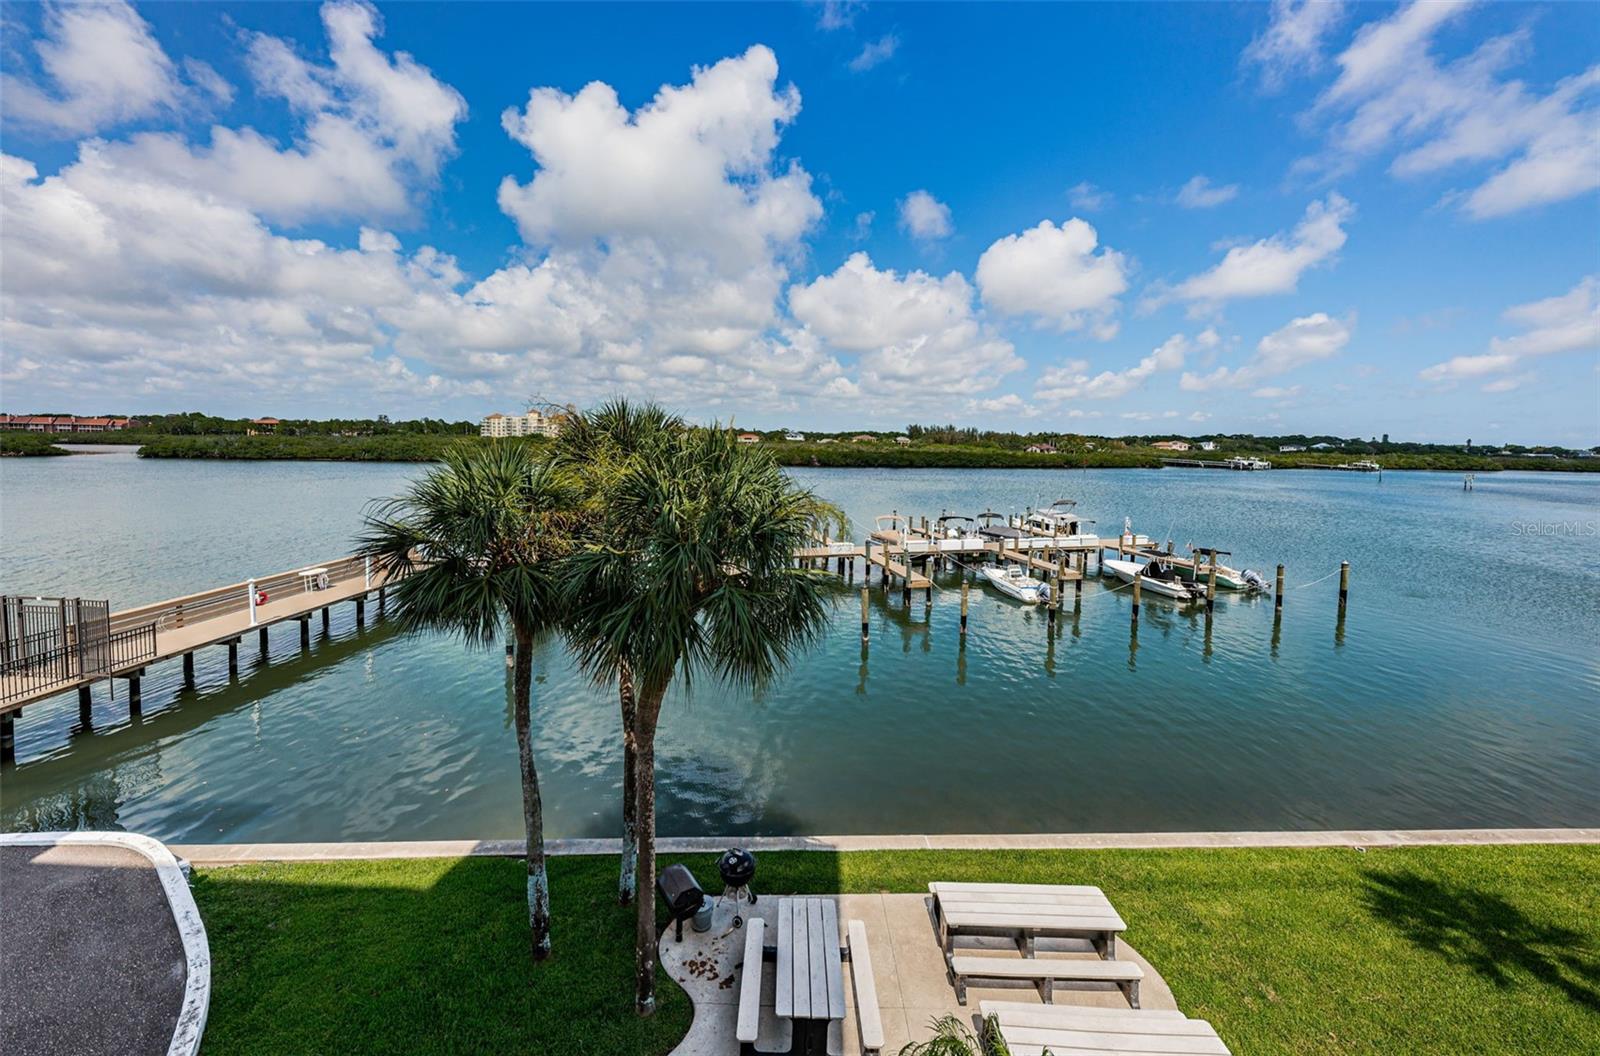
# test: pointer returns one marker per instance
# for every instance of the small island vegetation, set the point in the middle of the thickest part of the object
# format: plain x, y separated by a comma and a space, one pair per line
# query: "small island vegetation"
381, 439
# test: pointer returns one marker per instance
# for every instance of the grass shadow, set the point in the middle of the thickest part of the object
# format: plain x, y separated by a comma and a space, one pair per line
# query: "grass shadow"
1485, 933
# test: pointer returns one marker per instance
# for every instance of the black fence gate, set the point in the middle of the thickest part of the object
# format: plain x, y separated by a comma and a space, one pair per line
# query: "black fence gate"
46, 642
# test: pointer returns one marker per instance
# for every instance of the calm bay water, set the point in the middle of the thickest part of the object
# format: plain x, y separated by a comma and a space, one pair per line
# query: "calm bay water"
1465, 689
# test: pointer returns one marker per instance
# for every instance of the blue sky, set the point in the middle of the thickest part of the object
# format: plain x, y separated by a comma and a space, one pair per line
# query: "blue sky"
1353, 219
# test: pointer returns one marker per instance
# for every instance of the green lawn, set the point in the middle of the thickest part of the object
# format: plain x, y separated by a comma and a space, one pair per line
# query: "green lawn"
1423, 950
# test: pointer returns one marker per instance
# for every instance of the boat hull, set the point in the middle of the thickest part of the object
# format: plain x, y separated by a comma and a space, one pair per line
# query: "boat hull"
1025, 594
1127, 570
1227, 578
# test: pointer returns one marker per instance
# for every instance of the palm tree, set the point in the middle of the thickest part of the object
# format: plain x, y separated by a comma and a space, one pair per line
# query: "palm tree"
597, 447
691, 569
473, 546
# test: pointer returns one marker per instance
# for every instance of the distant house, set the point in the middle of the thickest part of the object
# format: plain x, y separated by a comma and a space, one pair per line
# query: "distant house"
1286, 448
1171, 445
903, 441
1040, 449
749, 438
797, 437
1208, 445
863, 438
1323, 446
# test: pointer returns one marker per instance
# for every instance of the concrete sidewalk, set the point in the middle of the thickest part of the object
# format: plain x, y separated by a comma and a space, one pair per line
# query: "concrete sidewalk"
235, 853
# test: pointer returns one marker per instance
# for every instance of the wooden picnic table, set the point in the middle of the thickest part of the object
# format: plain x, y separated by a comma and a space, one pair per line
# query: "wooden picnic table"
1034, 1030
810, 990
1026, 912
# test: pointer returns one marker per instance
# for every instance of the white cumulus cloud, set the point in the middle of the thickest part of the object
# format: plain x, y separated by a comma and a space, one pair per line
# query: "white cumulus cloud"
912, 336
1292, 42
1201, 193
1270, 265
1072, 381
1302, 341
925, 217
1053, 273
375, 128
1395, 94
105, 68
1568, 322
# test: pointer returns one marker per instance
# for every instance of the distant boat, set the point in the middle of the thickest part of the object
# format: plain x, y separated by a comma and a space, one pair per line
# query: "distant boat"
1057, 519
1156, 575
1240, 462
1013, 582
890, 528
1364, 466
950, 526
990, 530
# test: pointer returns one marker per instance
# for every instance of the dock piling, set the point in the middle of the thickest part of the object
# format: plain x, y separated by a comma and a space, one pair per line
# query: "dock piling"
1136, 580
1344, 584
1277, 594
305, 632
966, 589
233, 658
8, 739
263, 635
361, 610
1211, 587
135, 701
324, 619
188, 670
250, 600
866, 627
85, 705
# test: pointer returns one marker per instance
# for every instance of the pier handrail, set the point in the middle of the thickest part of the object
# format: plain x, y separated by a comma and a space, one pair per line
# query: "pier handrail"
209, 603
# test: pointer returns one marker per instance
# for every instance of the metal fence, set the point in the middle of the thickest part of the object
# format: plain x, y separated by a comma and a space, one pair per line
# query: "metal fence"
47, 642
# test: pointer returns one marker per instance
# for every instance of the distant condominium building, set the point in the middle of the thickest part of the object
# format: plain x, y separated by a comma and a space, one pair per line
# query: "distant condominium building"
63, 423
534, 423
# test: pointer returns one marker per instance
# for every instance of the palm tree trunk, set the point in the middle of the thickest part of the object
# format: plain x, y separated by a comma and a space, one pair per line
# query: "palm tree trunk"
532, 803
628, 881
647, 712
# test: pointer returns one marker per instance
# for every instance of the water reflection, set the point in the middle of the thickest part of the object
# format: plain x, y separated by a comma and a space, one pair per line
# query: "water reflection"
1246, 720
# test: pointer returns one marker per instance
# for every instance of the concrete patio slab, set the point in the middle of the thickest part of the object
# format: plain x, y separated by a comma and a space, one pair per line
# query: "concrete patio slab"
103, 950
907, 967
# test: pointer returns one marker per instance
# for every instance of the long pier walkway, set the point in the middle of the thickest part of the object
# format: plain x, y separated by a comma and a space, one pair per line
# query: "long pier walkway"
166, 630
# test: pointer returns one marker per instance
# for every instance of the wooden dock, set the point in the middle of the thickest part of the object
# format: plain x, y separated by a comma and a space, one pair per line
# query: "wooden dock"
180, 626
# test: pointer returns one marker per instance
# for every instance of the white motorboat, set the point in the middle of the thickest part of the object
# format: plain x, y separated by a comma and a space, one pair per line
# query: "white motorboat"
1241, 462
1003, 532
1013, 582
1061, 523
1227, 578
890, 528
954, 526
1154, 576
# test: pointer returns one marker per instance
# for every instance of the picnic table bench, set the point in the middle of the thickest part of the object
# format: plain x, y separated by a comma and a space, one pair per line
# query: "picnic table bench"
1025, 913
810, 977
1032, 1030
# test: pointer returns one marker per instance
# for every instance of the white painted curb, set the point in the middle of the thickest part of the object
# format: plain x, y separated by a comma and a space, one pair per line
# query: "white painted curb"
197, 985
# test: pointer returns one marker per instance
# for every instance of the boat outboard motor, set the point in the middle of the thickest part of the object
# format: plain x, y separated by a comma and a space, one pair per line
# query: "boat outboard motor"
1254, 580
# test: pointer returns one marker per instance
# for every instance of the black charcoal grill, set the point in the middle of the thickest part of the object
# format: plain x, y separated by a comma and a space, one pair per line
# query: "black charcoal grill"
738, 869
681, 892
